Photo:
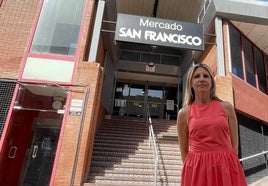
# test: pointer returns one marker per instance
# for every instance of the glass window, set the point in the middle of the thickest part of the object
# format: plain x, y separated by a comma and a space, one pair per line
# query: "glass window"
58, 27
150, 57
129, 55
266, 70
236, 49
260, 69
170, 60
249, 63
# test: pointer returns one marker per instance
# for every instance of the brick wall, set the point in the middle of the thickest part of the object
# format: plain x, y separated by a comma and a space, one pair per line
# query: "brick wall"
16, 21
249, 100
209, 56
89, 74
224, 89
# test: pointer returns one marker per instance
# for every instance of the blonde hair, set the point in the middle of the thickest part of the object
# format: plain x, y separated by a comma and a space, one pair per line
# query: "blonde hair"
189, 95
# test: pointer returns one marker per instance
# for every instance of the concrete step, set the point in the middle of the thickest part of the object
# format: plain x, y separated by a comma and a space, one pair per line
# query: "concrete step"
122, 155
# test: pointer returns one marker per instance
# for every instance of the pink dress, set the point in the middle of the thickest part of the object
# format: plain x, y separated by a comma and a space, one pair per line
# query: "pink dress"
211, 160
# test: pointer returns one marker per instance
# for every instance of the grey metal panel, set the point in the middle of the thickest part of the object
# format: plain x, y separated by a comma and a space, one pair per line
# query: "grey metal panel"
108, 83
209, 16
220, 50
243, 11
96, 32
140, 67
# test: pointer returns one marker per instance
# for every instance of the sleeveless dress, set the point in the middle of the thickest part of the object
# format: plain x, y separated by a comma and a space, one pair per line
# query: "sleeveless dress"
211, 160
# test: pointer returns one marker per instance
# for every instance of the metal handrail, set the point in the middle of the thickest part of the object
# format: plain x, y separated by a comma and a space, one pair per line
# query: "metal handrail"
254, 155
152, 139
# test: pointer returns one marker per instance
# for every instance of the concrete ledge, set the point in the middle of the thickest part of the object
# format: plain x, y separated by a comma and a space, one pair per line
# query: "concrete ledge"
261, 182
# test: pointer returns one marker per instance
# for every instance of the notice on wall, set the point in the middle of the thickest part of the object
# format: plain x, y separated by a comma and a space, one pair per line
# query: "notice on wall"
170, 104
76, 107
150, 68
162, 32
120, 103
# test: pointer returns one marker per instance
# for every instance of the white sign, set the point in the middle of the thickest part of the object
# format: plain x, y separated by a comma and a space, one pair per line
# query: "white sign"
170, 104
76, 107
150, 68
120, 102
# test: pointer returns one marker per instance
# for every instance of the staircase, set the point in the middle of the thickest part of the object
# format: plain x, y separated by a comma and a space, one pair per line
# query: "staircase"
122, 156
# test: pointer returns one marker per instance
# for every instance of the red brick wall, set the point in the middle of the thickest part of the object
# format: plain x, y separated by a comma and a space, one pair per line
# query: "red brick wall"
249, 100
87, 74
87, 32
209, 56
16, 21
224, 89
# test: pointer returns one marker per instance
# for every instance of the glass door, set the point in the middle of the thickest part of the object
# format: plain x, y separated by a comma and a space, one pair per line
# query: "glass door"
132, 98
121, 99
155, 101
41, 154
30, 143
136, 100
171, 104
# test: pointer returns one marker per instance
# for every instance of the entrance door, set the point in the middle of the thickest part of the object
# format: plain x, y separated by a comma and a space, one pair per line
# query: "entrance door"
30, 142
155, 101
132, 98
41, 155
136, 104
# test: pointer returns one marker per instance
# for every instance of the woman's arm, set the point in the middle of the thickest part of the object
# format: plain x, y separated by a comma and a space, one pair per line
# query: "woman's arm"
232, 119
182, 128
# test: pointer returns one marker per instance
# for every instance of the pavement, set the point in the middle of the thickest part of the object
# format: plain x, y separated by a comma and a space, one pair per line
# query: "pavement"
261, 182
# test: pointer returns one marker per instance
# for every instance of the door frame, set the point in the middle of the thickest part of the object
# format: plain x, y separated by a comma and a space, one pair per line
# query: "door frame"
146, 85
29, 102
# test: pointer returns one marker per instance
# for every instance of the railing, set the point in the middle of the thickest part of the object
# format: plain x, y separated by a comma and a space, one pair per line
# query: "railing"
254, 155
152, 141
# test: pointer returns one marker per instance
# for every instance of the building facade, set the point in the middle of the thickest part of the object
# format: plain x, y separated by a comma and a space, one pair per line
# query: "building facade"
62, 72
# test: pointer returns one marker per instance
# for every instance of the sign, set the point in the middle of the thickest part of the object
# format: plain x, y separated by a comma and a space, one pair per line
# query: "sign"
150, 68
76, 107
170, 104
163, 32
120, 103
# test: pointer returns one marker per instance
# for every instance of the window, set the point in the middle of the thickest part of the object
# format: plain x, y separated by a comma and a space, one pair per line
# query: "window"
130, 55
248, 58
235, 43
150, 57
266, 70
157, 58
260, 69
58, 27
248, 62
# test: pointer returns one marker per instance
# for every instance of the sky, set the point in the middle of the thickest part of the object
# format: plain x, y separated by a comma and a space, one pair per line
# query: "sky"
261, 2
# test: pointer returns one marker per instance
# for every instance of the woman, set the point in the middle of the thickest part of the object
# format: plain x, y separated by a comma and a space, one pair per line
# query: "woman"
208, 134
